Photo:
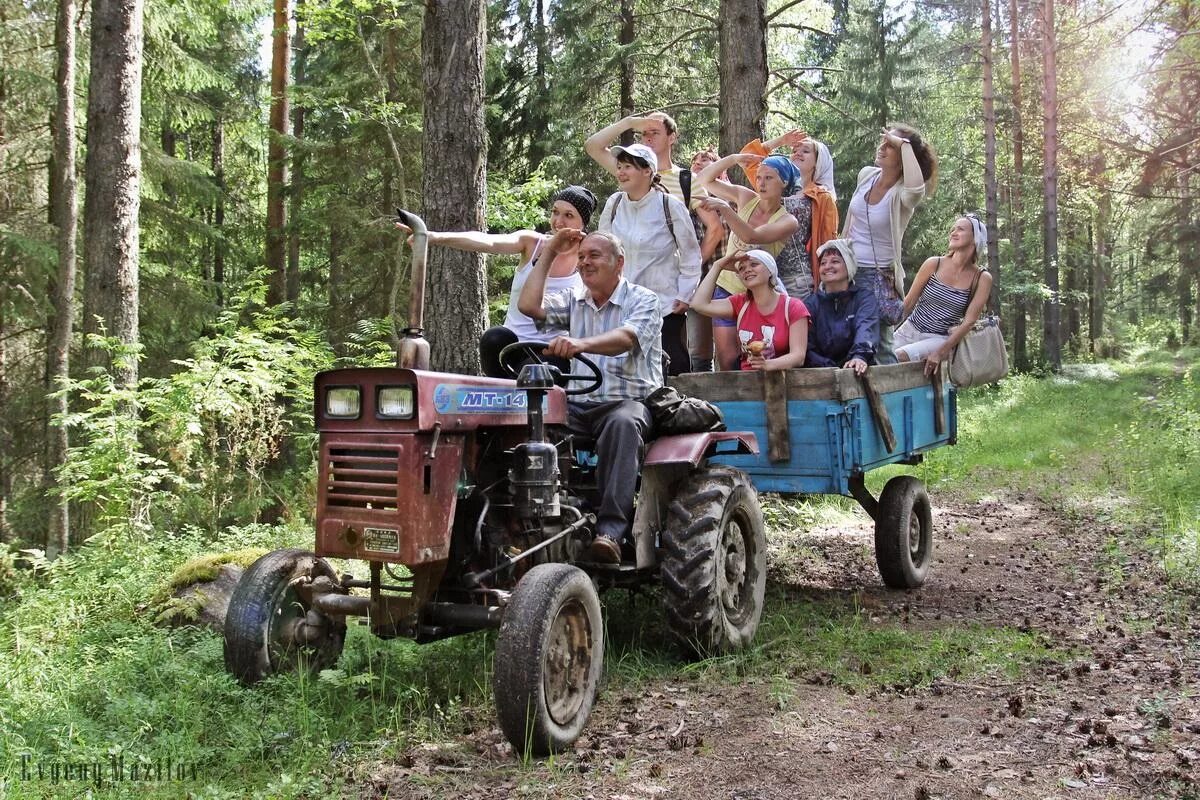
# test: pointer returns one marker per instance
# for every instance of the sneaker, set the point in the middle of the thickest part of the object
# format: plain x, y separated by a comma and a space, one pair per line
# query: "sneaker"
605, 550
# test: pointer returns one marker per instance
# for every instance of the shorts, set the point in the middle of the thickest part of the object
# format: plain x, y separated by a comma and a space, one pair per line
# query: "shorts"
721, 294
917, 344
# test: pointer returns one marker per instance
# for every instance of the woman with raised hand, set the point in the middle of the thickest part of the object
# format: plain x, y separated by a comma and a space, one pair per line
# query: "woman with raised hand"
661, 251
887, 193
771, 328
946, 297
845, 317
570, 207
760, 221
812, 204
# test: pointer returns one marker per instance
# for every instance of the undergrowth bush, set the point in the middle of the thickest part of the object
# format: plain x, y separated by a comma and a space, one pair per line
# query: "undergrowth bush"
194, 448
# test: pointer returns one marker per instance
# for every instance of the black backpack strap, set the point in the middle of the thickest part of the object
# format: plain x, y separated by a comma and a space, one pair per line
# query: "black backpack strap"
670, 222
685, 185
613, 214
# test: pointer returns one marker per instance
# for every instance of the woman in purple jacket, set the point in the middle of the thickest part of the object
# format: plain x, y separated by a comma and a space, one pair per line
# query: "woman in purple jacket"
844, 331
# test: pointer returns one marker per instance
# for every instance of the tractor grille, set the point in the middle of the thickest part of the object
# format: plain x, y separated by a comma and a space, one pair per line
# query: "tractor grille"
363, 477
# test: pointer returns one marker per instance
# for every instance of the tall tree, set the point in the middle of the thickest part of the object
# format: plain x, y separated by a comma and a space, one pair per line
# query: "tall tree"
297, 190
742, 31
277, 167
454, 148
113, 172
1051, 333
58, 348
1015, 231
990, 191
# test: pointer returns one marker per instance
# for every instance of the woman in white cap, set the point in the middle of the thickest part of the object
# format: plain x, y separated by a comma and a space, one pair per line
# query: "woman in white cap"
813, 204
845, 317
946, 298
772, 328
661, 250
570, 207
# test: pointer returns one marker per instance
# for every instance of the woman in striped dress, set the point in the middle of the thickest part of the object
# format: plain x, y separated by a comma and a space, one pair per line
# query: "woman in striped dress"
946, 297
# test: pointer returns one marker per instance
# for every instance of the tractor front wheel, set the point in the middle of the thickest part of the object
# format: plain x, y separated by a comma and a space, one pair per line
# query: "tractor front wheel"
549, 656
270, 628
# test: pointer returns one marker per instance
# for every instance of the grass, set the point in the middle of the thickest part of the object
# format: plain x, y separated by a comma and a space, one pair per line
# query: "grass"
85, 676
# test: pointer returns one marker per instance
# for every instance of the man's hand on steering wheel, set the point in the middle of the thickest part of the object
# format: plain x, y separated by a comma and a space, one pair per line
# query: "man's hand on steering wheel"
564, 347
591, 379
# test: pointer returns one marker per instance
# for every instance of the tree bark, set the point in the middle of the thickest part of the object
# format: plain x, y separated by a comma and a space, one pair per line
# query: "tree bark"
1101, 272
1015, 229
297, 194
66, 218
218, 170
277, 158
626, 38
991, 193
1051, 335
742, 34
1189, 268
454, 150
113, 173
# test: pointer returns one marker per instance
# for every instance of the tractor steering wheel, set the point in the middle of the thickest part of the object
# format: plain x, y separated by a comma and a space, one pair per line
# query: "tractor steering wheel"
534, 351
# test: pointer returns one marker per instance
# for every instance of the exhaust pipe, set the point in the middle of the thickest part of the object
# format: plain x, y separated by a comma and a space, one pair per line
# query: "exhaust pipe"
413, 349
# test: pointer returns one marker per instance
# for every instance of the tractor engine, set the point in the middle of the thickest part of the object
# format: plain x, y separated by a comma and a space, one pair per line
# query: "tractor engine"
534, 474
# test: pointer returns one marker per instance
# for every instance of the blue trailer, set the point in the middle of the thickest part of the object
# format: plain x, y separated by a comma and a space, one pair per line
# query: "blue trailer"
826, 428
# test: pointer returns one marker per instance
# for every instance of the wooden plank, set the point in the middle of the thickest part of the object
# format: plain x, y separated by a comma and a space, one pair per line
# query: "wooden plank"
939, 408
883, 422
802, 384
775, 398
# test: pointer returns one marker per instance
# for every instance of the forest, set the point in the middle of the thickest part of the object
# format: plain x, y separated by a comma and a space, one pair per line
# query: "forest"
197, 201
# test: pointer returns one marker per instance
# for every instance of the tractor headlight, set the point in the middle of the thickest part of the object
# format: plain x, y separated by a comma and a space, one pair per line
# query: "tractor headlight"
395, 402
343, 402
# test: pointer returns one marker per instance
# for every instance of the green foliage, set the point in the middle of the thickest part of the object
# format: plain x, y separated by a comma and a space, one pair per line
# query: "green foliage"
191, 448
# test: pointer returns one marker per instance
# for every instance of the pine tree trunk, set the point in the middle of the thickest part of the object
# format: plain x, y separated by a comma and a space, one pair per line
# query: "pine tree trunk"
334, 324
626, 37
1189, 266
454, 151
991, 193
1101, 271
113, 173
1015, 229
277, 158
218, 170
742, 33
66, 218
1051, 334
297, 194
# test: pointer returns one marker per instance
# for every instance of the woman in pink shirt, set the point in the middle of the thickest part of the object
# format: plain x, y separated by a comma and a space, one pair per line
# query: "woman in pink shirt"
772, 328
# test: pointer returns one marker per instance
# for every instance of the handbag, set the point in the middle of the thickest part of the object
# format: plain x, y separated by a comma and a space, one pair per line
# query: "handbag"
979, 357
676, 413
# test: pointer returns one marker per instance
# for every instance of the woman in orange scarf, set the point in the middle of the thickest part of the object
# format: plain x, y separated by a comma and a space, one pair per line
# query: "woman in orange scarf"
813, 205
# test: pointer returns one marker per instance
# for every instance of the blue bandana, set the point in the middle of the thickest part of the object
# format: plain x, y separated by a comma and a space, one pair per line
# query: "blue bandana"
787, 172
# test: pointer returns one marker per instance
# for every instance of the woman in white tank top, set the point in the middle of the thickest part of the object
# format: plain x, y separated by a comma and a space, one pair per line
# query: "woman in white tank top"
571, 207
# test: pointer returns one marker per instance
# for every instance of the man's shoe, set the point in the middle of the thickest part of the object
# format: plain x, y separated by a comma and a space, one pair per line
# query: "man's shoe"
605, 550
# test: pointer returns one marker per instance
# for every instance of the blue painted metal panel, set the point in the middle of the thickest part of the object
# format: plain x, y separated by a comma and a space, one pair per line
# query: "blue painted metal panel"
831, 440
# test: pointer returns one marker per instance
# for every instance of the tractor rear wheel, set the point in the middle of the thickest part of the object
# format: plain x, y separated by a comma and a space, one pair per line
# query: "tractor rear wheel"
549, 657
904, 533
269, 627
715, 569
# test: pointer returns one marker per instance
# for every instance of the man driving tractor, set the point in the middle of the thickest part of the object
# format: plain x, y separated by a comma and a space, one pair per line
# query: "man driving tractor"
619, 326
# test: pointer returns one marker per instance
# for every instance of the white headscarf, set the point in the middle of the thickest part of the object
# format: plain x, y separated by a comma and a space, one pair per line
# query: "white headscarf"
981, 240
823, 174
846, 249
768, 261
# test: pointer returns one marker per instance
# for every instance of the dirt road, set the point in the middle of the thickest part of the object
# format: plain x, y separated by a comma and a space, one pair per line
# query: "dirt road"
1116, 715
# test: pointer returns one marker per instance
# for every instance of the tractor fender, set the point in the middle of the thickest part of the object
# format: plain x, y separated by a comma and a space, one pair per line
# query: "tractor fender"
691, 448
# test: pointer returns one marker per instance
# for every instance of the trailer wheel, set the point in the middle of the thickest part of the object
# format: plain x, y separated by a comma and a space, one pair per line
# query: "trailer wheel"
715, 569
904, 533
549, 656
269, 628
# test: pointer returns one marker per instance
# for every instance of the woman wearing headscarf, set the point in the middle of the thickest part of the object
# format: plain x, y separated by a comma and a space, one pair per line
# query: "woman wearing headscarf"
946, 297
661, 251
760, 221
771, 328
844, 331
812, 204
570, 207
887, 193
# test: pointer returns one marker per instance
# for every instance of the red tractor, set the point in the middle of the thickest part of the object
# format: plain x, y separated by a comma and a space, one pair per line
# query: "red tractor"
471, 503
